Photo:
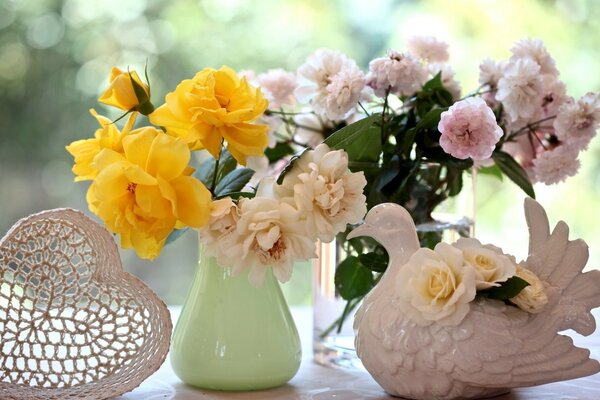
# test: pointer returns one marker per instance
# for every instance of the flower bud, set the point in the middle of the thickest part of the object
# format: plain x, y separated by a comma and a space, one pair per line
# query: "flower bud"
533, 298
127, 92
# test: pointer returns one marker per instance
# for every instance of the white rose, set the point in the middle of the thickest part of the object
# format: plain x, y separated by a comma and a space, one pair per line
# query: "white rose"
268, 234
325, 192
533, 298
437, 286
490, 264
218, 235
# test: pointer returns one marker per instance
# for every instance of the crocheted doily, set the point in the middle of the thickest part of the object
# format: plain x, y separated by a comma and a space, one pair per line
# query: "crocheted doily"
73, 324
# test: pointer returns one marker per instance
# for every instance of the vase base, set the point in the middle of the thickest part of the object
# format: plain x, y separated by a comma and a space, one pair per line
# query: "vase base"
337, 352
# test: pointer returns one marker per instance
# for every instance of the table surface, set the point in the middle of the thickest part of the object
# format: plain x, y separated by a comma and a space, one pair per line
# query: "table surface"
315, 382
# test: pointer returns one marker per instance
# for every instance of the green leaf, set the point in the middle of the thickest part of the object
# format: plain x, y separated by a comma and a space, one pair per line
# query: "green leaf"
366, 146
346, 136
352, 279
280, 150
175, 234
455, 182
434, 83
493, 170
513, 171
290, 165
234, 181
374, 261
205, 173
506, 290
226, 164
431, 119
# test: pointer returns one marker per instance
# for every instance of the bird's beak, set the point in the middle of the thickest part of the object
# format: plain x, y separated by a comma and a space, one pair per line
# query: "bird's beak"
362, 230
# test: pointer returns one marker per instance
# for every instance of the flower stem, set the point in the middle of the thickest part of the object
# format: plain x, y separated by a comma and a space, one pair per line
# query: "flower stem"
528, 127
216, 171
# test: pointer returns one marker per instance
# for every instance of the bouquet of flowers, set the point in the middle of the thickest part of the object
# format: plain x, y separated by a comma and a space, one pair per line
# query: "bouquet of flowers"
145, 190
406, 126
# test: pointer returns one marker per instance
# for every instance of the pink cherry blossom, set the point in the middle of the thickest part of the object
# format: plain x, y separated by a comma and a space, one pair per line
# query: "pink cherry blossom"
469, 129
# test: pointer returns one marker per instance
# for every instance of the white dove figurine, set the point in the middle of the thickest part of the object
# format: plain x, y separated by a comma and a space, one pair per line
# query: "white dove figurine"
495, 347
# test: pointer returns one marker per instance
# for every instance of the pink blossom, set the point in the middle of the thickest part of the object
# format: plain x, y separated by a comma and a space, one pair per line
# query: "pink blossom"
469, 129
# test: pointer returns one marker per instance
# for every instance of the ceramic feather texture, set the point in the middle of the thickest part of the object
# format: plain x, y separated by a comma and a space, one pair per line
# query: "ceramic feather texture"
73, 325
496, 347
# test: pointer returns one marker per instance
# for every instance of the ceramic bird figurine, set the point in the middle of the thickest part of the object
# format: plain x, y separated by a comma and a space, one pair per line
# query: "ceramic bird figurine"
494, 346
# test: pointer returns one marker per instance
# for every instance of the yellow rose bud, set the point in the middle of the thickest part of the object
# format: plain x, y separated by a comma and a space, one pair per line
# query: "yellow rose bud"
127, 92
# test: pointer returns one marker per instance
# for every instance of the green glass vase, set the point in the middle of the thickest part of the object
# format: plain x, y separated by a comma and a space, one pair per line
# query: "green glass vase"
233, 336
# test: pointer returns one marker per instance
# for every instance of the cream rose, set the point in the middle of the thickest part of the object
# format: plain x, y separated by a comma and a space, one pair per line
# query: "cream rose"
533, 298
490, 264
325, 192
268, 234
437, 286
218, 236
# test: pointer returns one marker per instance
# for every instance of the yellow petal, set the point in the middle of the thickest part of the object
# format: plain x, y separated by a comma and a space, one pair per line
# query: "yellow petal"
137, 147
111, 183
136, 174
152, 202
84, 152
245, 140
168, 157
105, 158
193, 201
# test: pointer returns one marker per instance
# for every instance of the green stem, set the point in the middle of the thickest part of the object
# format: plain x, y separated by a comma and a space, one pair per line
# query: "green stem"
216, 171
383, 111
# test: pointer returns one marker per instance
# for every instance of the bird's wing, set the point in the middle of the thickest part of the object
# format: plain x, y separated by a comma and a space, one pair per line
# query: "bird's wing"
559, 262
511, 348
503, 346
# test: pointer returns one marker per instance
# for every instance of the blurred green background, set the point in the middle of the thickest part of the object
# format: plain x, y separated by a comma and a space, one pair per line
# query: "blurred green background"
55, 58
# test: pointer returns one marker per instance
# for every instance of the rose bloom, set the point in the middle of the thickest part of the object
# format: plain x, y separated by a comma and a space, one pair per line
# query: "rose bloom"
437, 286
218, 235
533, 298
121, 93
490, 264
520, 89
331, 82
147, 191
401, 74
535, 50
325, 192
279, 86
576, 122
269, 234
469, 129
428, 48
556, 165
107, 137
213, 106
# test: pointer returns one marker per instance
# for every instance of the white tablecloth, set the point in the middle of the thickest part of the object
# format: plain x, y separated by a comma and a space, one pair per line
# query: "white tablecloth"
315, 382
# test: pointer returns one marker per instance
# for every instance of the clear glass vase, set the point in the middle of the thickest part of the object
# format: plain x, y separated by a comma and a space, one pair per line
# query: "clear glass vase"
232, 336
333, 345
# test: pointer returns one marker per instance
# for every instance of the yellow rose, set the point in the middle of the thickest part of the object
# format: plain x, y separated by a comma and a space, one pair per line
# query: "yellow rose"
147, 191
437, 285
127, 92
107, 137
213, 106
533, 298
